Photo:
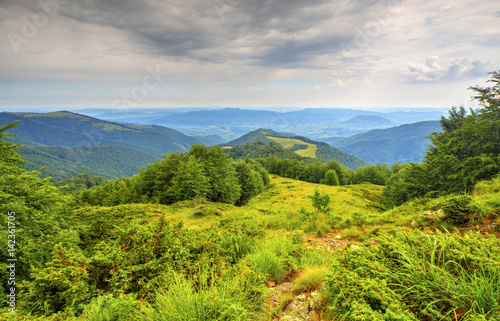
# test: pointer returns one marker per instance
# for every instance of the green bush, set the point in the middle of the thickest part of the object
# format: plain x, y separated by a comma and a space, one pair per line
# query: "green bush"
110, 308
63, 283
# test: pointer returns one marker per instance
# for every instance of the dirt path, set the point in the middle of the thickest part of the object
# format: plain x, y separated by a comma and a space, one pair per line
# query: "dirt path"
289, 306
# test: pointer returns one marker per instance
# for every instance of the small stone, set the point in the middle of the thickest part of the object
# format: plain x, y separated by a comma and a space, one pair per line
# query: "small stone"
338, 237
354, 246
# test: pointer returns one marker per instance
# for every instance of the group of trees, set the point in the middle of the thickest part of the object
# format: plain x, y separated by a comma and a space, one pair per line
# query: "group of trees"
326, 173
200, 173
466, 151
32, 213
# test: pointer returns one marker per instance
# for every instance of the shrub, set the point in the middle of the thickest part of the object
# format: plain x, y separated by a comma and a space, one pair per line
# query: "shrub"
110, 308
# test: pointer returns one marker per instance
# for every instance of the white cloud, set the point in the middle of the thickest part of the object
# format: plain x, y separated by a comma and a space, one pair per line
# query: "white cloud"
462, 68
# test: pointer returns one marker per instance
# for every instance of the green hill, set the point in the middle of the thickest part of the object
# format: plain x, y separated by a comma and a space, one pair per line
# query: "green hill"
61, 162
259, 149
299, 145
68, 144
72, 130
401, 144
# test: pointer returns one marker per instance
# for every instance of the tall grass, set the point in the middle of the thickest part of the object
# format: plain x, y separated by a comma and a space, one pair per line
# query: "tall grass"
424, 276
310, 279
226, 298
276, 254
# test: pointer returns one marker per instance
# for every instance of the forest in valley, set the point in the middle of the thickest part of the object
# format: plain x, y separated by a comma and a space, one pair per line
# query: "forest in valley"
257, 232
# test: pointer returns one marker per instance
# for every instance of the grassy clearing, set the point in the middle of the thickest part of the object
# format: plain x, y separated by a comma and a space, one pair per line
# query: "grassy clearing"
290, 142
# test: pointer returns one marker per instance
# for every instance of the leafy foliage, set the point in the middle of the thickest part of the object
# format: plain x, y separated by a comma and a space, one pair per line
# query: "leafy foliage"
203, 172
464, 153
38, 211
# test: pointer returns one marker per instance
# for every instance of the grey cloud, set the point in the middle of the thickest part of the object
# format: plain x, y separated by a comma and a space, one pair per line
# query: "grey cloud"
192, 29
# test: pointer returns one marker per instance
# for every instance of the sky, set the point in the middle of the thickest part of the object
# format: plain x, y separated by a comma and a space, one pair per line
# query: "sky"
64, 54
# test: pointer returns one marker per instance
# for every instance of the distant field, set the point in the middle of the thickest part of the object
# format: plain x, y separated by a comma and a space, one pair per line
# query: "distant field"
290, 142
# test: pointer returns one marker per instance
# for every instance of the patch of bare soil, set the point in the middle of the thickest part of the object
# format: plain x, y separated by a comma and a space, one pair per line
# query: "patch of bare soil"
330, 241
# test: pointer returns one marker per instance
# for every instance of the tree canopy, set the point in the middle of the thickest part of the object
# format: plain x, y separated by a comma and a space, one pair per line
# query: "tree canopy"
466, 151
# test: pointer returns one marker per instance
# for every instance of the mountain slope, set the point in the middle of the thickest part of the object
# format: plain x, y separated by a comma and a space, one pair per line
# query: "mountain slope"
63, 162
72, 130
405, 143
302, 146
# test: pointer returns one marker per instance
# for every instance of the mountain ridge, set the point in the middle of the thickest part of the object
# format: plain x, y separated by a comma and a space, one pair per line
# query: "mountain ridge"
399, 144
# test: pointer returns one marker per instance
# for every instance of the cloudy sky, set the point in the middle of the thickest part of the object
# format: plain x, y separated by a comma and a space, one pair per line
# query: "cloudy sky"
245, 53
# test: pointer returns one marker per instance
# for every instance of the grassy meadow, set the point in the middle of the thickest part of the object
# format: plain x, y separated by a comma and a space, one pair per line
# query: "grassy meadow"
310, 151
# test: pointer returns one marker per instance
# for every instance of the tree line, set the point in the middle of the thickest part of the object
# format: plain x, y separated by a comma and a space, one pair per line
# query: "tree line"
202, 172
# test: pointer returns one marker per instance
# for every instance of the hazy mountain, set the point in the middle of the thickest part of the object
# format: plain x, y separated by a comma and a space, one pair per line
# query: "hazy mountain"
231, 123
405, 143
370, 120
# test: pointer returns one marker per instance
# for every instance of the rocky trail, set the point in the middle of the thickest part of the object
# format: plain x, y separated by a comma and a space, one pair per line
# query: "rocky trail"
288, 305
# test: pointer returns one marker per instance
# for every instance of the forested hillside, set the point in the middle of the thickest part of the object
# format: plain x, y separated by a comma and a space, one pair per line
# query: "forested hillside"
201, 236
74, 130
301, 146
61, 162
401, 144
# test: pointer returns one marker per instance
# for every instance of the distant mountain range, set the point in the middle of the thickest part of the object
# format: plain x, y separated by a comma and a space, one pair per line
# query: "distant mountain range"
299, 145
400, 144
68, 143
231, 123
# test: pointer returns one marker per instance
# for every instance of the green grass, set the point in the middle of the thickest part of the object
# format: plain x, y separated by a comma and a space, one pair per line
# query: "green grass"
288, 143
310, 279
183, 300
276, 255
418, 275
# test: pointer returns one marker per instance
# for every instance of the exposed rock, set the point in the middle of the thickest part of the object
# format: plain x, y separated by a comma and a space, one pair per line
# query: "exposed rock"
434, 215
304, 307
